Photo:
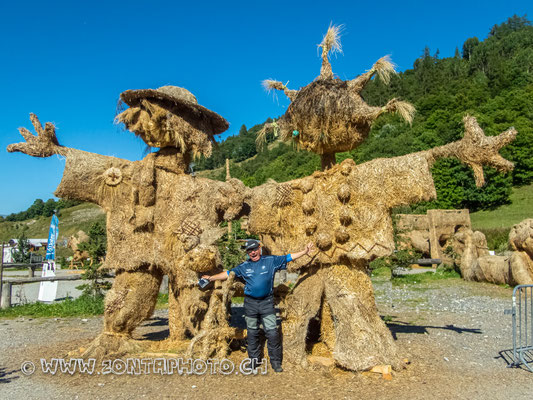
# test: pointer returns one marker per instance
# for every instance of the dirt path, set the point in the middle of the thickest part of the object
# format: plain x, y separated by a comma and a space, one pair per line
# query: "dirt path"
452, 332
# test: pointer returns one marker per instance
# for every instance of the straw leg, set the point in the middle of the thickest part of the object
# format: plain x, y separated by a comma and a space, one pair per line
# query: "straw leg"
177, 324
301, 306
187, 307
130, 301
362, 340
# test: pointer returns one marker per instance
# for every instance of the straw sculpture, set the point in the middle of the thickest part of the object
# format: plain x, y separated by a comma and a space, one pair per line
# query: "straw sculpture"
78, 256
521, 242
346, 211
512, 268
160, 219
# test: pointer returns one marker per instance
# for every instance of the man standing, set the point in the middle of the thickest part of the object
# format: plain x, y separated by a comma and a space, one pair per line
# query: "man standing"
258, 274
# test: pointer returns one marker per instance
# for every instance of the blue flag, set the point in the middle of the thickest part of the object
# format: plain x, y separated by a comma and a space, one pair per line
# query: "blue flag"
52, 238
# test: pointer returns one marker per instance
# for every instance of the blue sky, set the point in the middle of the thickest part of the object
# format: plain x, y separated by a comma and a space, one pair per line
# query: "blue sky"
68, 62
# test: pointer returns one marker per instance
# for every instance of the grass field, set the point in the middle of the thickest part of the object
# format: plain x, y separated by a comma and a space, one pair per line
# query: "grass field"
506, 216
496, 224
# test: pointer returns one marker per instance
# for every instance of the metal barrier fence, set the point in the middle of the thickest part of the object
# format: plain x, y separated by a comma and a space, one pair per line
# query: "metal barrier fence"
523, 326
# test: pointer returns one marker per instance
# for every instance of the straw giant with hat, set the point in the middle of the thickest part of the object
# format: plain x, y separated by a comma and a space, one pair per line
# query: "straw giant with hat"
160, 219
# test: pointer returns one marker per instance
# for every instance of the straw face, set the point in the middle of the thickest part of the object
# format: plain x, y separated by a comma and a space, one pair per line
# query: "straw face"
158, 127
180, 98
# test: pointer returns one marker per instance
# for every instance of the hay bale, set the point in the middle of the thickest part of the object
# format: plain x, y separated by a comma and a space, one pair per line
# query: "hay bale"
443, 224
494, 269
418, 240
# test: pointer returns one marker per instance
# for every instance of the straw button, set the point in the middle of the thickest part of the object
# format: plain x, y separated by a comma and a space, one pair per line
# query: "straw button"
344, 192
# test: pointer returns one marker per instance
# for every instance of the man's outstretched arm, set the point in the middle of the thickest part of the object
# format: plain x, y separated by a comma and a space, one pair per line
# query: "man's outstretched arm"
221, 276
294, 256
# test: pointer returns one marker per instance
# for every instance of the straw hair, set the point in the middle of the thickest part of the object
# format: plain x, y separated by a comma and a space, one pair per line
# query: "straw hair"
270, 84
331, 43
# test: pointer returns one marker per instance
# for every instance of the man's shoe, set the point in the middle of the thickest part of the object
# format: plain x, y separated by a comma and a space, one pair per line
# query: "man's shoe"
277, 368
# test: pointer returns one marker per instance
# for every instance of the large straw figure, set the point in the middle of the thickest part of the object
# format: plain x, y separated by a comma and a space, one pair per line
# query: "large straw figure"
346, 210
160, 219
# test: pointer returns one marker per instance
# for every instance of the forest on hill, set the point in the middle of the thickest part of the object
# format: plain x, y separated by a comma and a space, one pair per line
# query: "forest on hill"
491, 79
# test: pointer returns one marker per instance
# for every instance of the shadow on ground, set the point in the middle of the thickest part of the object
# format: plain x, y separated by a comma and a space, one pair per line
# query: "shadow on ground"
397, 327
7, 376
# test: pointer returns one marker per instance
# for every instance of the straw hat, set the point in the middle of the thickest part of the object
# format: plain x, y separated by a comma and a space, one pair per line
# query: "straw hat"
177, 96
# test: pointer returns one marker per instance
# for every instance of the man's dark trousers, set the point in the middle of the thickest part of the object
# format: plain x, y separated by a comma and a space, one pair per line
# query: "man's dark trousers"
262, 310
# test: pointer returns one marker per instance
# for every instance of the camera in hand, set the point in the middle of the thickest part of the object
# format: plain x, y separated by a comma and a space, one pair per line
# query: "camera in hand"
203, 282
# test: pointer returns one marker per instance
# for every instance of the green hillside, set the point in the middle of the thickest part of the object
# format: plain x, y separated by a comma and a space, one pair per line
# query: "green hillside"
71, 220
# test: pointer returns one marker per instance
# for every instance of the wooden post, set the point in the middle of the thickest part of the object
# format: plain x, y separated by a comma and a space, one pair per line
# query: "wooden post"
228, 177
2, 270
6, 295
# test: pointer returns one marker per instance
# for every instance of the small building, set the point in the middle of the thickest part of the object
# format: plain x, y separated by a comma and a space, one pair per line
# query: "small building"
35, 244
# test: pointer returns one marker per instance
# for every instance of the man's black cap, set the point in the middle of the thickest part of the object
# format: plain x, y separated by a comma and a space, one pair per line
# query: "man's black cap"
251, 244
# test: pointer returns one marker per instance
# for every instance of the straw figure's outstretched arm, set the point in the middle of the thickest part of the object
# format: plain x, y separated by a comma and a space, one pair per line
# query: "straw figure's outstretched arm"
85, 175
475, 149
44, 144
270, 84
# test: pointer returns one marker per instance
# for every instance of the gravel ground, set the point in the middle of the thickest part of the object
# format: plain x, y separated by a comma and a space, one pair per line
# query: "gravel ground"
453, 333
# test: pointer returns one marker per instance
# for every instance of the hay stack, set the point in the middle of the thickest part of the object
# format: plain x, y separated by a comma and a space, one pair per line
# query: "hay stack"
329, 115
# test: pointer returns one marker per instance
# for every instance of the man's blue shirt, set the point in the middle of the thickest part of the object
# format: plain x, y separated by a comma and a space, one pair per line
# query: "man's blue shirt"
259, 276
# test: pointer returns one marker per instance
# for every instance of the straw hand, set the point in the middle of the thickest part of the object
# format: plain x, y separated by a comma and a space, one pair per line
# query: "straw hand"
44, 144
476, 150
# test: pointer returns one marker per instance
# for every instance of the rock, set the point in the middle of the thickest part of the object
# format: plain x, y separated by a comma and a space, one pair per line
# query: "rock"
382, 369
325, 361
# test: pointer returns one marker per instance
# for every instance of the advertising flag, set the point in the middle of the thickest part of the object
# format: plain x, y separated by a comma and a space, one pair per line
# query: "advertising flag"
52, 238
